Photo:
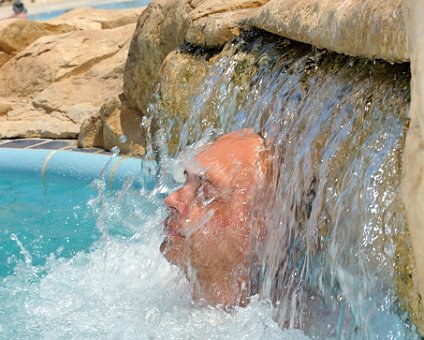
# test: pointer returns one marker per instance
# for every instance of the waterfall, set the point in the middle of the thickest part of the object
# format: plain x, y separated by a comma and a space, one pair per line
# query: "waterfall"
334, 259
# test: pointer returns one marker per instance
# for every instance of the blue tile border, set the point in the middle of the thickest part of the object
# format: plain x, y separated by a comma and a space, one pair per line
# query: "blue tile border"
66, 163
48, 144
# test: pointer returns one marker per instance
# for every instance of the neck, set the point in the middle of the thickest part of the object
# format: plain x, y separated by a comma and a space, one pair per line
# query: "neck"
221, 289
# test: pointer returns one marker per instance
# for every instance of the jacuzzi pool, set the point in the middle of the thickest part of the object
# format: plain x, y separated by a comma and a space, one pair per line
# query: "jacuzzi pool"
81, 260
41, 190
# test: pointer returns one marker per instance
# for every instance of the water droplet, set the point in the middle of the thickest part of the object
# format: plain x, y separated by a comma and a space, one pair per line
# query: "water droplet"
152, 315
115, 150
389, 249
59, 250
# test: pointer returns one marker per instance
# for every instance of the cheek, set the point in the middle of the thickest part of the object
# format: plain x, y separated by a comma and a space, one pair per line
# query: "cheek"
222, 243
173, 250
206, 219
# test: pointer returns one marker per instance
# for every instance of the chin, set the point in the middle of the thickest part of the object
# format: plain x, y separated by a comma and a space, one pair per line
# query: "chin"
172, 250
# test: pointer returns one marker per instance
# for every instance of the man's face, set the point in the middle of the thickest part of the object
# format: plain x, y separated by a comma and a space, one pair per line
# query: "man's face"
207, 230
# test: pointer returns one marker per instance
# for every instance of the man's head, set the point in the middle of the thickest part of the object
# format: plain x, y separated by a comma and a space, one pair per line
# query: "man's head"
18, 7
208, 232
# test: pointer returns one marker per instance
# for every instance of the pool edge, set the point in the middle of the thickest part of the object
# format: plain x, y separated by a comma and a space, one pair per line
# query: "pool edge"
63, 163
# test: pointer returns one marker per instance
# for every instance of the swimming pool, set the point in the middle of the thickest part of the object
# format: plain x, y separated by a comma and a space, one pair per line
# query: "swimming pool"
37, 220
115, 5
43, 203
82, 237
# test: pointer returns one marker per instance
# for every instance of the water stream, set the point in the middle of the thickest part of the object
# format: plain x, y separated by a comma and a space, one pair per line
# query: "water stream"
333, 261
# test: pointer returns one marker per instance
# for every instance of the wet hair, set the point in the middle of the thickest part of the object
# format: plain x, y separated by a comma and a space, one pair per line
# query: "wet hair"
18, 7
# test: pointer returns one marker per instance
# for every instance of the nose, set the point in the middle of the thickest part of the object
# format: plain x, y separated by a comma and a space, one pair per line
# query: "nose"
175, 202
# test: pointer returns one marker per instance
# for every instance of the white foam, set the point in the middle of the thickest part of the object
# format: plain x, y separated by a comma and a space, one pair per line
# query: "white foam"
122, 288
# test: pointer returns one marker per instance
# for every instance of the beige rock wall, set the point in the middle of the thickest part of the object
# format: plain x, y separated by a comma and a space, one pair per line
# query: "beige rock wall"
368, 28
15, 35
51, 59
50, 86
91, 18
413, 168
160, 29
213, 23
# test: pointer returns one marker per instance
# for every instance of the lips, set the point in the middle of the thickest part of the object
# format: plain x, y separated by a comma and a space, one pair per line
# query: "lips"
170, 227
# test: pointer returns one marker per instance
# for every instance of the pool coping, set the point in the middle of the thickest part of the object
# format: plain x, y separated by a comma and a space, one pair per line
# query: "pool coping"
85, 167
47, 144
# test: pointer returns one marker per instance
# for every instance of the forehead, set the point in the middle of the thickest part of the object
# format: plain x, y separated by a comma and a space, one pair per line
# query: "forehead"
227, 156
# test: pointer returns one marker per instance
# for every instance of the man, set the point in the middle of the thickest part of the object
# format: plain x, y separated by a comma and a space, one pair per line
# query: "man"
19, 11
208, 233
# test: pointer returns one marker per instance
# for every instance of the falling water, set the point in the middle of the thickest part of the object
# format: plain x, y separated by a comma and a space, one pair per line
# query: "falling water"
333, 262
334, 259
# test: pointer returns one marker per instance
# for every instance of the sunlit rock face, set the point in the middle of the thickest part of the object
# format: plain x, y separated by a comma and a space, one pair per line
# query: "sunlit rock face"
413, 179
15, 35
54, 59
338, 257
111, 128
52, 85
213, 23
160, 29
92, 18
67, 77
372, 29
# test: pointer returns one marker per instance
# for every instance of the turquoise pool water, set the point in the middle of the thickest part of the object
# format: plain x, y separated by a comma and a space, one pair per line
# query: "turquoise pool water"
41, 218
82, 261
118, 5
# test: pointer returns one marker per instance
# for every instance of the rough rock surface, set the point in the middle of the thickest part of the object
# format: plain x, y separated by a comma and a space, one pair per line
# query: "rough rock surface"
16, 34
54, 58
110, 128
369, 28
4, 57
27, 122
413, 158
92, 18
160, 29
91, 132
213, 23
50, 87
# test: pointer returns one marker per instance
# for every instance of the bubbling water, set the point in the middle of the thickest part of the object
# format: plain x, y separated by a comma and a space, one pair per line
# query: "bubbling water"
332, 262
122, 287
335, 220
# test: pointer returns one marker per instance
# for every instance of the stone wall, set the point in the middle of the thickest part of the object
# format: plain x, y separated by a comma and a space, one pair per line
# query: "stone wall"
56, 76
367, 28
413, 165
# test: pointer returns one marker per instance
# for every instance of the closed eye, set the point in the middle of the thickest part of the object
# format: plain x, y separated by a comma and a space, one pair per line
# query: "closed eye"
207, 190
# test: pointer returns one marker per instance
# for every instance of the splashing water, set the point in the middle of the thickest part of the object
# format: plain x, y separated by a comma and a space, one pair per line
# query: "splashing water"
332, 208
333, 261
120, 287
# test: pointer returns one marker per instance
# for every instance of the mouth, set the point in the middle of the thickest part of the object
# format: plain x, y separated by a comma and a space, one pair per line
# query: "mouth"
172, 241
171, 229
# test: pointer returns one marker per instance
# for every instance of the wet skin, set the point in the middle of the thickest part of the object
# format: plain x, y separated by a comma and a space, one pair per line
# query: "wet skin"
208, 233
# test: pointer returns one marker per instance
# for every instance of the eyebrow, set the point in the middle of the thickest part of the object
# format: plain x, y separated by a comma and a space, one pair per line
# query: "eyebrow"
201, 177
